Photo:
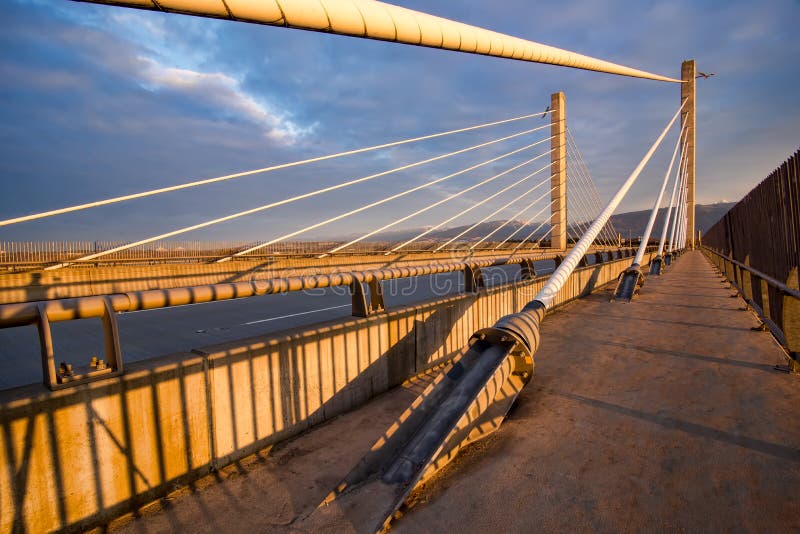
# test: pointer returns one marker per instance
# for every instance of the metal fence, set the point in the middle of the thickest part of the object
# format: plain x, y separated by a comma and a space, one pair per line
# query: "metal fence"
777, 305
758, 249
763, 230
40, 253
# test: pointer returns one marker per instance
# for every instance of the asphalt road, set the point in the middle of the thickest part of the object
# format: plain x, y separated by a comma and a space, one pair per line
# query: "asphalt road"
150, 333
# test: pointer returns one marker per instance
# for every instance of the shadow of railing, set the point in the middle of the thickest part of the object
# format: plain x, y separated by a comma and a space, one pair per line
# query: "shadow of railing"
76, 458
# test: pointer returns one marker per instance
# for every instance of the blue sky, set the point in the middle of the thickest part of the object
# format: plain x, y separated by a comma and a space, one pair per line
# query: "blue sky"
97, 101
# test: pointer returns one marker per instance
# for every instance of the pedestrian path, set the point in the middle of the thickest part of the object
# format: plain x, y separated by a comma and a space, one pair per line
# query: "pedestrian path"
661, 414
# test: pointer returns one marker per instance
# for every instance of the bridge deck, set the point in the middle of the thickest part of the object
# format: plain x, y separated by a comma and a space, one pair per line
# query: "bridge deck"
664, 413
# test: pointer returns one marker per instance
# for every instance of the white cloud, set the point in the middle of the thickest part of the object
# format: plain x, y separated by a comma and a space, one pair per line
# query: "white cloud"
225, 94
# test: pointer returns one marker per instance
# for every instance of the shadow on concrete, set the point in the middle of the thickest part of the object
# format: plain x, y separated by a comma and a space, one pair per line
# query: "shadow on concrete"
776, 450
661, 321
681, 354
74, 459
168, 421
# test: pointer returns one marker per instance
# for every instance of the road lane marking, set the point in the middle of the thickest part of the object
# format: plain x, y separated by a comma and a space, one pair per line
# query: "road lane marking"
179, 306
294, 315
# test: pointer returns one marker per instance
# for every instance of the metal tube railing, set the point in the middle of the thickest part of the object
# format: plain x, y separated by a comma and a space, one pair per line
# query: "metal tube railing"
105, 307
24, 313
784, 320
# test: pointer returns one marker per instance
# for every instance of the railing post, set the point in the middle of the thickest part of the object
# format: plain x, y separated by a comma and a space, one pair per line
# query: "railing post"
361, 307
527, 270
558, 171
689, 122
764, 286
473, 279
747, 282
790, 325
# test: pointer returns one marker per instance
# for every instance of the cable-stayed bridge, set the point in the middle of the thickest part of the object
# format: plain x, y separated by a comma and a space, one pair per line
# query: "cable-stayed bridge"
658, 327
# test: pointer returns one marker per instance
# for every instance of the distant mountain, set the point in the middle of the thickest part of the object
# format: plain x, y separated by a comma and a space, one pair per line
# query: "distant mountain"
630, 223
518, 228
633, 223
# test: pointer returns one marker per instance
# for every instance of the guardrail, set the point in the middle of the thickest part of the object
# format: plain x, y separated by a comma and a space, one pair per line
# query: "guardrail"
15, 256
365, 301
777, 305
763, 229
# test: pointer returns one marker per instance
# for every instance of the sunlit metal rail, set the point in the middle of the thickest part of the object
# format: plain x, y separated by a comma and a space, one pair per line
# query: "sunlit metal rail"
777, 305
365, 289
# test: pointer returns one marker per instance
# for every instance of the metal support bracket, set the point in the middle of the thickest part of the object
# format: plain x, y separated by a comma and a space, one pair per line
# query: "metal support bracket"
67, 376
473, 279
527, 269
628, 284
361, 308
656, 265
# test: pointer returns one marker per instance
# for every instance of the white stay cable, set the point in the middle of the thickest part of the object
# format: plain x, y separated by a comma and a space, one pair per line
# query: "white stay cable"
681, 228
637, 260
383, 201
609, 227
435, 204
676, 213
520, 212
684, 218
477, 204
583, 203
536, 244
668, 215
530, 235
368, 19
528, 222
583, 213
495, 212
290, 200
677, 207
582, 193
557, 280
197, 183
587, 184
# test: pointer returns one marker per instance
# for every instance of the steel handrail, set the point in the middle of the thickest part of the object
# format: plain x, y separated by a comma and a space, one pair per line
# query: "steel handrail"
780, 286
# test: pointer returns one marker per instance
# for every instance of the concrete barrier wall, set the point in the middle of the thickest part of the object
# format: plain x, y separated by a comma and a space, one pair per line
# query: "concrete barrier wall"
79, 281
76, 458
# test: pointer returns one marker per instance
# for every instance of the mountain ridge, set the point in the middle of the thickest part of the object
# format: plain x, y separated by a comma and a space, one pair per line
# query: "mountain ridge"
628, 224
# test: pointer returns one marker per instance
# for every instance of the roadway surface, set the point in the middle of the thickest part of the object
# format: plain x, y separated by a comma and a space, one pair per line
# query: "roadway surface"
664, 414
151, 333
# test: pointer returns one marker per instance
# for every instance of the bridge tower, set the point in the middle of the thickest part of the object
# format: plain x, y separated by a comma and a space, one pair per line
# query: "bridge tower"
558, 171
688, 118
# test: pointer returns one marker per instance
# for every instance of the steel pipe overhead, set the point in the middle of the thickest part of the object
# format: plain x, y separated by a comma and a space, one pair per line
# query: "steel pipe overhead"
371, 19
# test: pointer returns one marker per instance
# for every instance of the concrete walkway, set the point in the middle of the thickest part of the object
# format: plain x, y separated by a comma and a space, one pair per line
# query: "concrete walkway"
661, 414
